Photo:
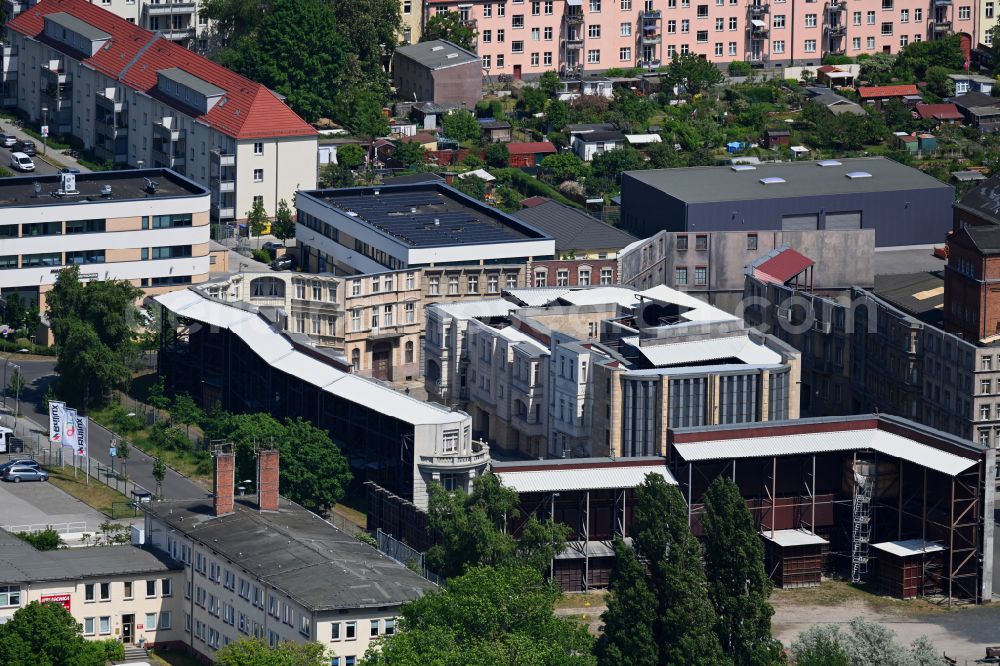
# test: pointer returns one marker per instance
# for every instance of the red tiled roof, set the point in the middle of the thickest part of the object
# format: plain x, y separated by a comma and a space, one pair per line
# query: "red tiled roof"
782, 267
939, 111
879, 92
134, 55
419, 137
531, 148
828, 68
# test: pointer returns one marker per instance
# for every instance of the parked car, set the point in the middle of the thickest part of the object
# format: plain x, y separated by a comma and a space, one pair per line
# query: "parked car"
9, 443
69, 170
18, 462
7, 140
25, 146
19, 473
271, 246
21, 162
283, 263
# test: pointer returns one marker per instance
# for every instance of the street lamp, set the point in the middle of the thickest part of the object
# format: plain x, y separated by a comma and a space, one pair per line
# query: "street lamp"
17, 390
45, 134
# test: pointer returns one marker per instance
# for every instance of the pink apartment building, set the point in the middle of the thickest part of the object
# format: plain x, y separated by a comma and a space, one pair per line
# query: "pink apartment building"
524, 38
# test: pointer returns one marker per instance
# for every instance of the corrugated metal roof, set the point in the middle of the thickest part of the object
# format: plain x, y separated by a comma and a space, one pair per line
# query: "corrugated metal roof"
908, 547
783, 266
786, 538
825, 442
590, 478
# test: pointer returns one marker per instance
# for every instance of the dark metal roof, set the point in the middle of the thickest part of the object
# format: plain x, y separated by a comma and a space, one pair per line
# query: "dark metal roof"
918, 294
983, 200
437, 54
601, 135
573, 229
986, 237
411, 178
126, 185
20, 563
296, 552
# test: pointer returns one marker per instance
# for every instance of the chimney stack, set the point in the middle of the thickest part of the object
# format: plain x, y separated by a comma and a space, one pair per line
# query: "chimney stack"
267, 480
225, 477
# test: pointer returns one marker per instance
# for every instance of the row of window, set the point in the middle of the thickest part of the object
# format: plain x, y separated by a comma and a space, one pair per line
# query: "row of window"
102, 591
101, 625
81, 257
584, 279
382, 316
383, 283
681, 276
472, 284
32, 229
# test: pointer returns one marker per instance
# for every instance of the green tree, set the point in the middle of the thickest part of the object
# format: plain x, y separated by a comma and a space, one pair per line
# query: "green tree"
461, 125
474, 186
361, 111
628, 638
737, 581
257, 219
631, 110
877, 69
336, 175
16, 383
122, 451
897, 116
46, 635
694, 73
283, 226
297, 50
863, 644
47, 539
159, 473
685, 626
234, 19
938, 81
471, 529
314, 472
486, 617
449, 26
186, 412
612, 163
564, 166
533, 100
557, 114
739, 68
916, 58
819, 646
351, 156
550, 83
663, 156
255, 652
88, 368
409, 153
497, 155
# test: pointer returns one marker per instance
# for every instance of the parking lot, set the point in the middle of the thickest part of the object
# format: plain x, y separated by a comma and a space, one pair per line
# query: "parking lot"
33, 506
41, 166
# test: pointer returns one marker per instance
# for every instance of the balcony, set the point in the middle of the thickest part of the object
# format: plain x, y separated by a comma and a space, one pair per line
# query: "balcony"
14, 7
836, 7
654, 15
758, 10
573, 19
227, 186
756, 58
108, 102
168, 160
165, 130
177, 34
223, 159
479, 457
651, 39
223, 211
54, 72
836, 31
941, 27
941, 3
169, 8
758, 29
574, 40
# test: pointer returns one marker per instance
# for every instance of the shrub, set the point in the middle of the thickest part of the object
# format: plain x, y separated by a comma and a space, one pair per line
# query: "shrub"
262, 256
739, 68
47, 539
833, 59
114, 649
121, 422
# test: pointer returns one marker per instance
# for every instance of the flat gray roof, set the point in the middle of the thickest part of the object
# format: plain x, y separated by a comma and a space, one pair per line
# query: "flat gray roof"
78, 26
296, 552
20, 563
437, 54
920, 295
189, 80
573, 229
801, 179
126, 185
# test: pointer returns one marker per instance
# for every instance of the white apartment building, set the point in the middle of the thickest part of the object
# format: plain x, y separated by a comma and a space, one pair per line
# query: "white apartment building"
123, 592
150, 227
135, 97
262, 566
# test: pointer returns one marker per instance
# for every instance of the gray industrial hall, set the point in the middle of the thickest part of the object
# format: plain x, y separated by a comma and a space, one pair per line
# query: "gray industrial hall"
903, 205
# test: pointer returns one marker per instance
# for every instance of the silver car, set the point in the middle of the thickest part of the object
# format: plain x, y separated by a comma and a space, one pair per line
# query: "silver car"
7, 140
20, 473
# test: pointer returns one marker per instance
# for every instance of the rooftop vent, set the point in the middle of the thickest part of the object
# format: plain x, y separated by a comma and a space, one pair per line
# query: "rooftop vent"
743, 167
858, 174
105, 191
771, 180
437, 48
67, 183
452, 55
828, 163
413, 210
151, 185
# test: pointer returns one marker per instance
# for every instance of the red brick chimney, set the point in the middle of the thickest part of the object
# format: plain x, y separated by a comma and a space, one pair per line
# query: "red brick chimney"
267, 480
225, 476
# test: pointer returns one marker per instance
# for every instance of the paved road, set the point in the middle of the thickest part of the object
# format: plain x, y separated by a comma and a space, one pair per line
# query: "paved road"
42, 166
140, 466
30, 506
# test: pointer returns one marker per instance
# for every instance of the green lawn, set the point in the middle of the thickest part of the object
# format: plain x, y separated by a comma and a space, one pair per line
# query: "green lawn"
94, 494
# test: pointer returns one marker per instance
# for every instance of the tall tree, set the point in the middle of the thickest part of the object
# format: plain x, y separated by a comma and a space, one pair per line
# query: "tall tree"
257, 219
497, 155
550, 83
694, 73
159, 473
461, 125
47, 634
486, 617
737, 581
612, 163
283, 226
685, 627
450, 27
628, 638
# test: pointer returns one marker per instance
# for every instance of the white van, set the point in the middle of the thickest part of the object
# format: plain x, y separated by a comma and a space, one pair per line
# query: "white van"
21, 162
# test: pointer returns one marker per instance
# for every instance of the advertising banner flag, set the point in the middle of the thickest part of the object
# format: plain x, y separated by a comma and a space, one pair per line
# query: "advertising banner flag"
57, 419
82, 435
69, 428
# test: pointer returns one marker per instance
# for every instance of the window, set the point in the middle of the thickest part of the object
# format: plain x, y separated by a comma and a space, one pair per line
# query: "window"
720, 24
685, 26
408, 352
258, 148
150, 588
83, 226
987, 363
779, 20
547, 34
535, 34
10, 595
166, 620
682, 243
671, 26
702, 11
540, 277
517, 21
886, 4
390, 626
258, 175
501, 36
584, 277
989, 10
562, 277
351, 628
701, 36
810, 46
887, 27
870, 18
701, 242
595, 5
88, 626
104, 624
606, 276
752, 242
150, 622
501, 9
335, 631
856, 43
625, 54
548, 5
964, 13
733, 23
985, 385
594, 31
452, 284
626, 5
625, 29
700, 275
409, 310
434, 285
536, 8
375, 626
810, 20
904, 15
511, 281
487, 11
128, 590
984, 412
918, 15
778, 46
594, 56
534, 59
856, 18
681, 275
718, 49
517, 46
105, 589
492, 284
903, 40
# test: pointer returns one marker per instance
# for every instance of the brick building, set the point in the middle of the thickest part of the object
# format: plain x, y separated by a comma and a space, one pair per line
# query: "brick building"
437, 71
972, 301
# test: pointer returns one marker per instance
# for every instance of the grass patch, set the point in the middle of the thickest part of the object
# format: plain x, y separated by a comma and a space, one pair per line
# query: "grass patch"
838, 593
161, 657
351, 514
581, 600
94, 494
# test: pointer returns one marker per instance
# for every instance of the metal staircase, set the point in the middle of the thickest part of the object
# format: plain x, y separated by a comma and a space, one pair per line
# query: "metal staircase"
864, 484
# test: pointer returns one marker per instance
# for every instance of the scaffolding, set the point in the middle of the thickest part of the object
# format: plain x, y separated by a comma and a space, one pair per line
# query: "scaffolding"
861, 525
